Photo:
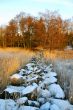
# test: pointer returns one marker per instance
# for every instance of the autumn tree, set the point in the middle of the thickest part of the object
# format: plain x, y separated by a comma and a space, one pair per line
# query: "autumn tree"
11, 33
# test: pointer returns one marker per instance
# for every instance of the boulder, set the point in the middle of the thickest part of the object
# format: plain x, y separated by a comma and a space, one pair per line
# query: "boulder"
16, 79
8, 104
54, 107
56, 91
28, 108
13, 92
22, 101
32, 80
41, 100
50, 74
33, 103
2, 104
44, 93
50, 80
45, 106
62, 104
30, 91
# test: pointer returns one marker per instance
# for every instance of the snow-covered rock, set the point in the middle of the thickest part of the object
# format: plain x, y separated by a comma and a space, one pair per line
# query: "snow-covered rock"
32, 80
56, 91
33, 103
52, 74
28, 108
22, 72
44, 93
10, 105
62, 104
32, 90
54, 107
49, 74
48, 68
41, 100
16, 79
13, 91
50, 80
22, 100
45, 106
2, 104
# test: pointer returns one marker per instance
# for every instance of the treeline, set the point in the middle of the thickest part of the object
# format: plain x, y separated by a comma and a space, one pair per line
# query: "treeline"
48, 30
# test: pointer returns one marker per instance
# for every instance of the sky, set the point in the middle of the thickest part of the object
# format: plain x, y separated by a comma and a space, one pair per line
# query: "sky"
10, 8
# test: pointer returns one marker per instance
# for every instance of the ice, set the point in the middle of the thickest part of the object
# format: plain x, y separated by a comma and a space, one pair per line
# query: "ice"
56, 91
45, 106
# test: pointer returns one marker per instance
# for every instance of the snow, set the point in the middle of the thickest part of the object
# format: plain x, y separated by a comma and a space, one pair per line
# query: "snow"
52, 74
62, 104
22, 100
45, 93
12, 89
30, 64
48, 69
8, 104
27, 108
45, 106
49, 74
56, 91
16, 76
50, 80
2, 104
29, 89
32, 79
41, 100
38, 71
33, 103
22, 72
54, 107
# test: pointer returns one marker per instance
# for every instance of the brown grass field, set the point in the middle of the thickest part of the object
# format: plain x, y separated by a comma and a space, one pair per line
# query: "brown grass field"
12, 59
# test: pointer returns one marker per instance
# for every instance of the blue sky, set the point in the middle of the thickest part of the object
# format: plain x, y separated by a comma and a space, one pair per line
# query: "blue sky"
10, 8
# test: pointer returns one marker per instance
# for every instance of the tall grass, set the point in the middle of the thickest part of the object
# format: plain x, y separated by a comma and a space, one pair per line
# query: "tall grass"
12, 59
63, 64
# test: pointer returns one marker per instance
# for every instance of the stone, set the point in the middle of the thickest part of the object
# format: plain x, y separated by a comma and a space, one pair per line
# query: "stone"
28, 108
54, 107
56, 91
33, 103
22, 101
30, 91
45, 106
16, 79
